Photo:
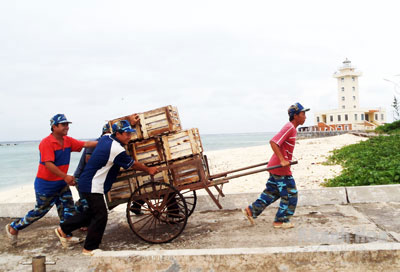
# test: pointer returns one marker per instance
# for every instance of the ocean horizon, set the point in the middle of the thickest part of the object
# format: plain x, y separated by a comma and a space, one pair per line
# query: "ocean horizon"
20, 159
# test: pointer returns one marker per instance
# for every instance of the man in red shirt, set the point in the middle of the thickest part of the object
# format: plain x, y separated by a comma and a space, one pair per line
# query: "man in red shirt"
281, 183
52, 181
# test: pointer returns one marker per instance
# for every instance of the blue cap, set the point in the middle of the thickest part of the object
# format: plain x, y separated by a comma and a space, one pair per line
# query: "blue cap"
106, 129
122, 126
58, 119
296, 108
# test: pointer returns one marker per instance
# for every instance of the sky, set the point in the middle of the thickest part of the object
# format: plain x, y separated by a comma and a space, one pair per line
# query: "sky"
229, 66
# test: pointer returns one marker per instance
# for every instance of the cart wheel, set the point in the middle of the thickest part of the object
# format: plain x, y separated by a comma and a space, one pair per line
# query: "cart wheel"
190, 199
163, 213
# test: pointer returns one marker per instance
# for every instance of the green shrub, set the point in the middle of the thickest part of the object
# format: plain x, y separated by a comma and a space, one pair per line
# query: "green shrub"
371, 162
393, 127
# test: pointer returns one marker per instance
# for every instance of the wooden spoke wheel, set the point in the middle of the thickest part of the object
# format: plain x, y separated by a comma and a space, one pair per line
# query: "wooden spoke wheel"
157, 212
190, 199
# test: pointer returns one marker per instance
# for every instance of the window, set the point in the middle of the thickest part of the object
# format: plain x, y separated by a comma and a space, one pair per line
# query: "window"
355, 116
346, 127
346, 117
317, 119
362, 116
353, 78
342, 89
331, 118
342, 98
376, 116
354, 89
354, 106
339, 118
342, 79
343, 107
382, 117
354, 98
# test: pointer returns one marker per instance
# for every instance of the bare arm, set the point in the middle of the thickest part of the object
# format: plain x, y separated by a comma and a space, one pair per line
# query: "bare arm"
90, 144
141, 167
70, 180
278, 153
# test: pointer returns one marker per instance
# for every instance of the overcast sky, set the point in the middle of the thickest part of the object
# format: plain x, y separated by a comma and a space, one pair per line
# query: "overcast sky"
229, 66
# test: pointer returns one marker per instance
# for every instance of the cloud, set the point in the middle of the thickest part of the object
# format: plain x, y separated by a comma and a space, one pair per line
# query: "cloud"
229, 66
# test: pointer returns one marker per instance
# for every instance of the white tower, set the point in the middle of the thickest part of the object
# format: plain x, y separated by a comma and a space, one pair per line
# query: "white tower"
347, 79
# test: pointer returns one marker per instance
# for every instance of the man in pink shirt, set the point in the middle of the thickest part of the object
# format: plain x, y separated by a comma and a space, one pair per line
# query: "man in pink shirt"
281, 183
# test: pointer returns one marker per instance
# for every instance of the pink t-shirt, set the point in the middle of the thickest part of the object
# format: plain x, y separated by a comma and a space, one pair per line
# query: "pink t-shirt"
285, 139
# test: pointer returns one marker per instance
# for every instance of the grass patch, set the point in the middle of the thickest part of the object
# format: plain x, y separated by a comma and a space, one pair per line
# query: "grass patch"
372, 162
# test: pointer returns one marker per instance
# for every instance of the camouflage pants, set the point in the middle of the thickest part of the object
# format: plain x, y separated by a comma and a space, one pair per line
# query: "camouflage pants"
283, 187
81, 205
62, 200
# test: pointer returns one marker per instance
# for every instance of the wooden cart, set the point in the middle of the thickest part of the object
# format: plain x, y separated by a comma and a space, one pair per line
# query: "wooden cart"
159, 206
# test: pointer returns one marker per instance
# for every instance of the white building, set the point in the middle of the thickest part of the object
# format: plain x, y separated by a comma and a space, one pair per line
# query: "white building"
349, 115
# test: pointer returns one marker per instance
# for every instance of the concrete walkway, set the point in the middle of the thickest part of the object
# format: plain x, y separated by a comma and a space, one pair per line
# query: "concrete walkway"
337, 229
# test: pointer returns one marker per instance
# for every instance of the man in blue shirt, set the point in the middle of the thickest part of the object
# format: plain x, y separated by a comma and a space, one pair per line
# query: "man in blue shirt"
81, 204
96, 180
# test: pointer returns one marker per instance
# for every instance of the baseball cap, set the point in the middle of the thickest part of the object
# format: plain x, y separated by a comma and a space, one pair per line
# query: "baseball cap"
58, 119
122, 126
106, 129
296, 108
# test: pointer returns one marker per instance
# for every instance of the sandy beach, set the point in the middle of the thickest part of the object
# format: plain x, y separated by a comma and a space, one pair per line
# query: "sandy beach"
309, 173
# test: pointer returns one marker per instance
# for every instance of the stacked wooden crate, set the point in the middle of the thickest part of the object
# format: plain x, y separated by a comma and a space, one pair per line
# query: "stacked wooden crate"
160, 141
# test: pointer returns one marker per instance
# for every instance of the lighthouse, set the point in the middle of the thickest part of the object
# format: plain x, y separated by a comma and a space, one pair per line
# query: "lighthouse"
347, 86
349, 115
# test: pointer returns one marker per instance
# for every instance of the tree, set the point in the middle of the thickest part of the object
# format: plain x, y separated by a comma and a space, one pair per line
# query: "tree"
396, 109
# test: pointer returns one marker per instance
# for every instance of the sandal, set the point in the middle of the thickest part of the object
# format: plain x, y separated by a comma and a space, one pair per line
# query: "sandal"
63, 240
91, 252
11, 237
249, 215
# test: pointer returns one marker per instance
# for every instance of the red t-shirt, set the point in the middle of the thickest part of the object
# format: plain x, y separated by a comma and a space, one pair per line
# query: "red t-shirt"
51, 150
285, 139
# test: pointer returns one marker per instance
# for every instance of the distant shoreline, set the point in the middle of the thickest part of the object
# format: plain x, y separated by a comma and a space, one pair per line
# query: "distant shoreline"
309, 173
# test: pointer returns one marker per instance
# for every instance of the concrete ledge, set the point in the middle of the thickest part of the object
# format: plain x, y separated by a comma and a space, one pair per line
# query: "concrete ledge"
374, 193
361, 257
312, 197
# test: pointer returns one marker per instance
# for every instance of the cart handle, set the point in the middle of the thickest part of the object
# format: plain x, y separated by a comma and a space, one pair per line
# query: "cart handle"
247, 173
223, 174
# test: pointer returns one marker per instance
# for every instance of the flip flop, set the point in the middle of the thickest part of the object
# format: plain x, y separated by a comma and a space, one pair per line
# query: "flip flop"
64, 241
92, 252
11, 237
249, 217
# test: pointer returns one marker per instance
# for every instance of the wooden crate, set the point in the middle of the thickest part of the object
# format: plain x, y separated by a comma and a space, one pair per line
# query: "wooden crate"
148, 151
187, 171
154, 123
159, 121
129, 180
136, 135
123, 187
182, 144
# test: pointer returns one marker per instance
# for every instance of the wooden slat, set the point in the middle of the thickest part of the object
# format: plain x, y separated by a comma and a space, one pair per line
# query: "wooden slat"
157, 125
156, 118
148, 151
182, 144
166, 146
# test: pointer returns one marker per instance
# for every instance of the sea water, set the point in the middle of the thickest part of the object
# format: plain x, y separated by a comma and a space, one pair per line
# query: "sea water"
19, 160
